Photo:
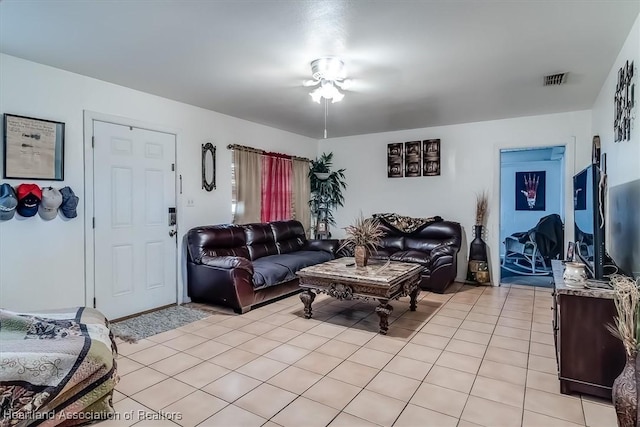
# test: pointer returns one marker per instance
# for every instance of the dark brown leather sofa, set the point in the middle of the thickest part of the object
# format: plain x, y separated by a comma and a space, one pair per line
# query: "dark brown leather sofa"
240, 266
434, 246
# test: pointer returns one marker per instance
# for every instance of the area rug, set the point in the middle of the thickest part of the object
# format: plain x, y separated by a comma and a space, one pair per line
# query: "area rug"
146, 325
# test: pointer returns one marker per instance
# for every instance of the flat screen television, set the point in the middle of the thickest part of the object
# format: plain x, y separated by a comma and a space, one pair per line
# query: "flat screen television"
588, 205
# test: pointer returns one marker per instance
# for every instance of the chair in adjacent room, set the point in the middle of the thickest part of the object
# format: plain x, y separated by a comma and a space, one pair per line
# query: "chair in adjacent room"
530, 252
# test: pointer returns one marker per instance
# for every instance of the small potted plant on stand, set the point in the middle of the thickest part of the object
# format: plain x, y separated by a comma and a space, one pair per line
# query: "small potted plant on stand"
627, 324
364, 236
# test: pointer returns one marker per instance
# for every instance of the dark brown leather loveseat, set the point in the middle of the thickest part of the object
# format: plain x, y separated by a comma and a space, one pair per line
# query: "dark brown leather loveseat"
242, 265
435, 246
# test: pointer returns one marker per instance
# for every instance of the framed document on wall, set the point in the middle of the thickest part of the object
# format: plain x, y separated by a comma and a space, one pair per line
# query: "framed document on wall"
33, 148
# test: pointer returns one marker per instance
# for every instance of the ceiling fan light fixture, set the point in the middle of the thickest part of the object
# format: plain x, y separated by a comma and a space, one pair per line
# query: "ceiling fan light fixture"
344, 84
329, 74
337, 97
328, 90
329, 68
316, 95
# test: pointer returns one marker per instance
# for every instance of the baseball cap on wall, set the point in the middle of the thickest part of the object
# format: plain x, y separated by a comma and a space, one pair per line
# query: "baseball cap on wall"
8, 202
69, 203
29, 197
51, 201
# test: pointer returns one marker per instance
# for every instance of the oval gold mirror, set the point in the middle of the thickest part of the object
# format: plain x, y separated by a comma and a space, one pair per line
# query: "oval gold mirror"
208, 166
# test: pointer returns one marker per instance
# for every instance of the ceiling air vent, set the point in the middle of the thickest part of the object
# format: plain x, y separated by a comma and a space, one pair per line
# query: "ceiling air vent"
555, 79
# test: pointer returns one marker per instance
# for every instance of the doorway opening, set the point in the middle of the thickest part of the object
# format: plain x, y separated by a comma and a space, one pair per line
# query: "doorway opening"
532, 213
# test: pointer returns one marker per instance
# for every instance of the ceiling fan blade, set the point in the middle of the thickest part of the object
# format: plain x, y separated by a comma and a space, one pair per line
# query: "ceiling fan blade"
310, 83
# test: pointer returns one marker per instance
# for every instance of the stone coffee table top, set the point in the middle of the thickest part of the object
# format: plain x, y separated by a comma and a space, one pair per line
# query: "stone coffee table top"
382, 280
376, 272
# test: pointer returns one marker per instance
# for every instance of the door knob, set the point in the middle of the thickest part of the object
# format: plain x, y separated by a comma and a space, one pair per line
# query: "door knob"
172, 233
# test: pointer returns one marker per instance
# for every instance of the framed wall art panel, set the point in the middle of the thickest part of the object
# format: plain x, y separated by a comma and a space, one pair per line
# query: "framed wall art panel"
395, 168
431, 157
412, 158
530, 191
623, 101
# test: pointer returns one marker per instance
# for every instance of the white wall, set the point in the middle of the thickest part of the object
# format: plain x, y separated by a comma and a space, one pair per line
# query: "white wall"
623, 158
470, 164
511, 220
42, 263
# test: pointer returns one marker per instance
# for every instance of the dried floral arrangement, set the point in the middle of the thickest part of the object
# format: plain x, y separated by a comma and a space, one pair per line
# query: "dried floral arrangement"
627, 322
482, 207
364, 232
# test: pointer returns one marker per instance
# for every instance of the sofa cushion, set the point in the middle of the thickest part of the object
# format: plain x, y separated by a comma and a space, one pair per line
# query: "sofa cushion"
382, 253
421, 244
216, 240
267, 273
301, 259
289, 235
290, 245
394, 242
241, 252
411, 256
260, 240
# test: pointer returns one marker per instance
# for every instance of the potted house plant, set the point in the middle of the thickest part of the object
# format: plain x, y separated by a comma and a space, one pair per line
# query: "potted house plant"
627, 329
364, 236
326, 192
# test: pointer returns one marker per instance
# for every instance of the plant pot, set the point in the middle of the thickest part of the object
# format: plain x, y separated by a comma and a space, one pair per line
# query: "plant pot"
322, 176
361, 255
624, 394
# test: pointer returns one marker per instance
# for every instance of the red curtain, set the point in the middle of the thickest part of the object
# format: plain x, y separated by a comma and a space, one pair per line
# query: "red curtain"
276, 188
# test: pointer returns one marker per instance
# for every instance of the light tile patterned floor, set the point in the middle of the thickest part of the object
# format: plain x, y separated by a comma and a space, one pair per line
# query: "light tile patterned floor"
473, 356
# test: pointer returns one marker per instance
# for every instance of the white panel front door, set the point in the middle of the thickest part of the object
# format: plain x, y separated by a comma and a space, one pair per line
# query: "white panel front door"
135, 247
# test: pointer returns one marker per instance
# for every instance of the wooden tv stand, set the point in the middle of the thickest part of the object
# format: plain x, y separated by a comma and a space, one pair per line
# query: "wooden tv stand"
589, 356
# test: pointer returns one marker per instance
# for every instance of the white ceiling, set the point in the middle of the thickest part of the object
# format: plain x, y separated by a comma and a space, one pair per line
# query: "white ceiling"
414, 63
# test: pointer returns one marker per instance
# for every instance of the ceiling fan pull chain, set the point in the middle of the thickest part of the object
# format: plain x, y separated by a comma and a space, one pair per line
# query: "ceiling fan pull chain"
326, 110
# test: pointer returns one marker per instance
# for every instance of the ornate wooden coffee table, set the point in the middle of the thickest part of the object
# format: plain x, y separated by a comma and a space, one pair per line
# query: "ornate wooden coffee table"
380, 280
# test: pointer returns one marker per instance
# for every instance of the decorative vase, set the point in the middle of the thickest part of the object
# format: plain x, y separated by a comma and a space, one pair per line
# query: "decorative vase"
624, 393
478, 248
574, 274
482, 276
361, 255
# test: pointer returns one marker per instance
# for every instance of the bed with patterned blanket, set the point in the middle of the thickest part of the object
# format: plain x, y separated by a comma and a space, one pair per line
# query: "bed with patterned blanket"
57, 368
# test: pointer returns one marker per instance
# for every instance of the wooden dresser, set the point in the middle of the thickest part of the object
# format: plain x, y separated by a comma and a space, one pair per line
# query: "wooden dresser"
589, 357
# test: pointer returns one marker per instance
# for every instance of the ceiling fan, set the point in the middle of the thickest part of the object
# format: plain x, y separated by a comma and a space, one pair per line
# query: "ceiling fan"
329, 75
